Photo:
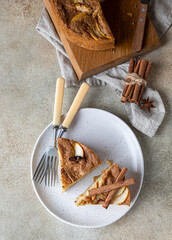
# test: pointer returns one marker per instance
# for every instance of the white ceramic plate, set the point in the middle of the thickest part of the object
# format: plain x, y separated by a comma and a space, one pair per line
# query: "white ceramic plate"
111, 139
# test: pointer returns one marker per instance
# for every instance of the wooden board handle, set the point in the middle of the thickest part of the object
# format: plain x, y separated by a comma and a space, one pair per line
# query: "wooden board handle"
139, 32
76, 104
58, 101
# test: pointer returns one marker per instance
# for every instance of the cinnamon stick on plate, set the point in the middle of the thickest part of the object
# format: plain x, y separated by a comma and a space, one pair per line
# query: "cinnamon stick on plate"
111, 193
110, 187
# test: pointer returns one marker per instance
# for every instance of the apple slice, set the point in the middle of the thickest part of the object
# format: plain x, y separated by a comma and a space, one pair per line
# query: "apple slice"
97, 32
121, 199
95, 178
100, 32
78, 1
78, 17
93, 34
78, 150
119, 192
83, 8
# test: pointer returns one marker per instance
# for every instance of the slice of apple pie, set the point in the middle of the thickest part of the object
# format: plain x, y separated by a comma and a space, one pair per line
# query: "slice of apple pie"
108, 176
76, 160
82, 22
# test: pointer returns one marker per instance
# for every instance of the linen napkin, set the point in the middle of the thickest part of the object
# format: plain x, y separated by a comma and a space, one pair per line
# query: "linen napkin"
148, 123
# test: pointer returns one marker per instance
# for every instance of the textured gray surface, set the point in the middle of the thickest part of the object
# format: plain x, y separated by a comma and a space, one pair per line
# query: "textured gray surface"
29, 70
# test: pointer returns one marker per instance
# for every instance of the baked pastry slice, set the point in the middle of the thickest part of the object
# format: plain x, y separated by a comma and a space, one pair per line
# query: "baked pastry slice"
82, 22
108, 176
76, 161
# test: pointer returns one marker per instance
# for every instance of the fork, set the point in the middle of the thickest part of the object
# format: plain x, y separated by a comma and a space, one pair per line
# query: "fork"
48, 163
71, 114
50, 171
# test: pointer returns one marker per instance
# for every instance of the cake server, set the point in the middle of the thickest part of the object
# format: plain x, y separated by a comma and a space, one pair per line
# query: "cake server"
49, 159
140, 27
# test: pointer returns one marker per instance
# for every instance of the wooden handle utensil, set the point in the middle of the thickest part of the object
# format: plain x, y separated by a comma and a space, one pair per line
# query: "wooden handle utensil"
58, 101
75, 105
140, 27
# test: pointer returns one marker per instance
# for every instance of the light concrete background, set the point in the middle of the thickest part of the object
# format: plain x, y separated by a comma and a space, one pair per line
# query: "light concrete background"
28, 72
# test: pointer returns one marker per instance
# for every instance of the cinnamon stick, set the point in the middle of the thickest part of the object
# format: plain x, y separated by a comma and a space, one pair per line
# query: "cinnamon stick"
136, 69
130, 86
124, 99
142, 68
128, 90
110, 187
141, 73
149, 66
111, 193
131, 93
130, 70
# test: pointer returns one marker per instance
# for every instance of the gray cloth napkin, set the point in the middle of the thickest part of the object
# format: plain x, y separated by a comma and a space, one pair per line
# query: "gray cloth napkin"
161, 15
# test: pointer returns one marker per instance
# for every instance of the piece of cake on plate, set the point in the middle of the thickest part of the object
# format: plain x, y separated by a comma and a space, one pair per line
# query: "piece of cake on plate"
76, 160
110, 187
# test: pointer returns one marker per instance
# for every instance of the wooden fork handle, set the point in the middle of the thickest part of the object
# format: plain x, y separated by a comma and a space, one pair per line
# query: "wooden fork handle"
140, 27
76, 104
58, 101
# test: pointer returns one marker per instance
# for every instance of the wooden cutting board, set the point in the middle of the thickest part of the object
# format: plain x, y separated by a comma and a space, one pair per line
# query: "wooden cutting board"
122, 18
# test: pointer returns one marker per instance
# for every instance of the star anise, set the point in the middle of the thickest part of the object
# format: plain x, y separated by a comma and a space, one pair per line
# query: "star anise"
146, 104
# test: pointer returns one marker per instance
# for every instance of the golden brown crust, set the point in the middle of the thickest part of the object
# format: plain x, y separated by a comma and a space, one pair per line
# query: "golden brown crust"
72, 171
78, 32
107, 176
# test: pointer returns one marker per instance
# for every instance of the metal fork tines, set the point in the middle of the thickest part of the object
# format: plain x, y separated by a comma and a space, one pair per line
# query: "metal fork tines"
50, 171
47, 166
51, 159
40, 171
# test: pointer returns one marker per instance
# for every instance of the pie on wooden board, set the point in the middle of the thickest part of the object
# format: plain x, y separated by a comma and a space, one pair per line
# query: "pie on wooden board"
82, 22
